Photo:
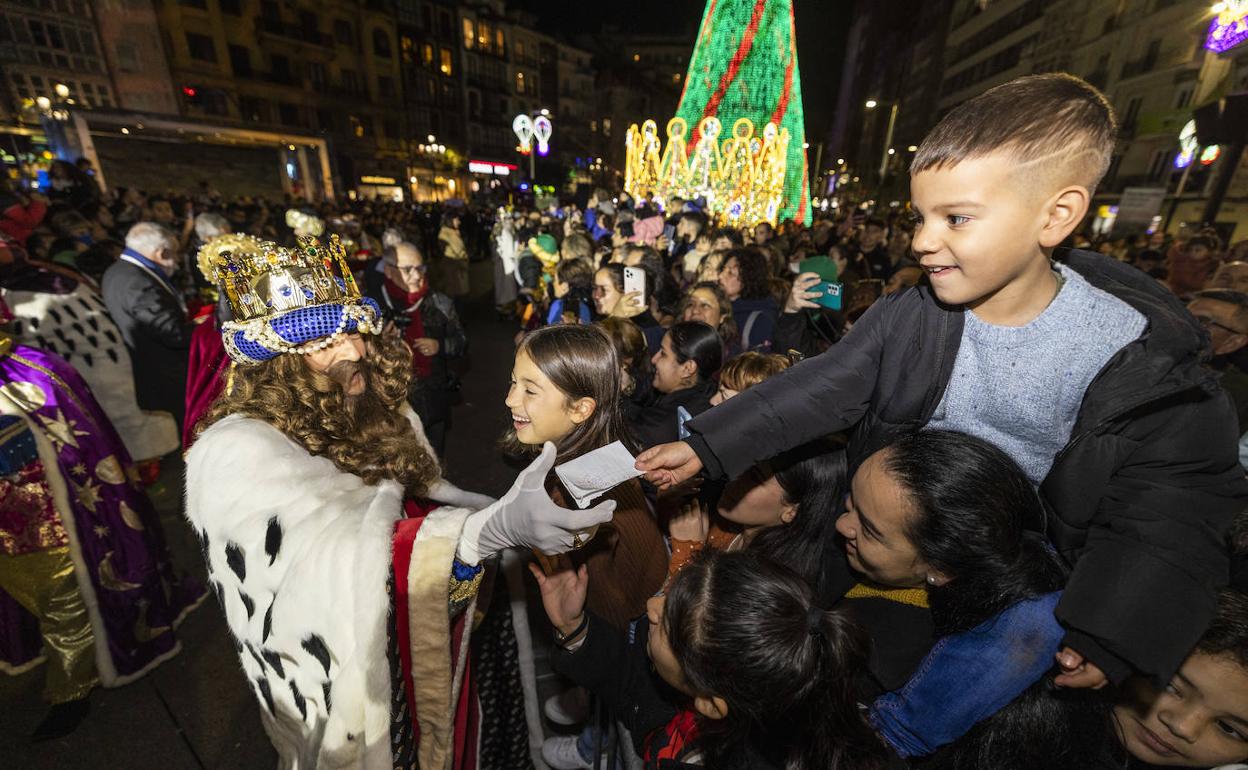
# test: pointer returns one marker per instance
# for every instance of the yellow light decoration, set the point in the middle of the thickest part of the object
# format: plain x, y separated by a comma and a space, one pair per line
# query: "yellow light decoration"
742, 178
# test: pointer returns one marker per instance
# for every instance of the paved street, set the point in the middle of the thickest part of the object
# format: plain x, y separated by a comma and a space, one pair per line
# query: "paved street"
195, 711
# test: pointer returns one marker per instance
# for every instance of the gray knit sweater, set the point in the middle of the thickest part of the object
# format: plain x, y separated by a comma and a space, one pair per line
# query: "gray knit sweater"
1020, 387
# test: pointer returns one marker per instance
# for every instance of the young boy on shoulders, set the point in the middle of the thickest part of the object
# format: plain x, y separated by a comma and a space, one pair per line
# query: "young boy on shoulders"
1084, 370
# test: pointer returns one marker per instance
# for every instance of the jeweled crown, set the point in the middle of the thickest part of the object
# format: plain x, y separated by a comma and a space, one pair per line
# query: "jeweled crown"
261, 279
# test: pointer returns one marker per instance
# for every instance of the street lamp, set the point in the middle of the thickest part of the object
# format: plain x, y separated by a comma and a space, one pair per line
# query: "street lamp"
888, 137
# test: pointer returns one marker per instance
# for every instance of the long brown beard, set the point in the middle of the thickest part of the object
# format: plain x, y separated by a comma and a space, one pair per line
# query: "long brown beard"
367, 435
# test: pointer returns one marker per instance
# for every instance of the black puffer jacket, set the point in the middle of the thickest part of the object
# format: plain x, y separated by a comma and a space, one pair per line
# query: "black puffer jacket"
1138, 500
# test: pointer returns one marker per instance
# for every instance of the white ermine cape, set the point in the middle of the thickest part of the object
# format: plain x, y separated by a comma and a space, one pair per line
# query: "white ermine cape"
299, 554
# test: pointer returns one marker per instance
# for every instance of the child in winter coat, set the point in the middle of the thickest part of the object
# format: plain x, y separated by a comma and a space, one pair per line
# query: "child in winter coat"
1084, 370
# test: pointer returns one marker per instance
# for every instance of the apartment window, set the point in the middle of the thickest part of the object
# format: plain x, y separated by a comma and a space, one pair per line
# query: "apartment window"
325, 120
426, 55
351, 81
357, 126
474, 104
519, 49
344, 33
407, 47
281, 68
483, 36
470, 34
444, 24
316, 74
254, 109
426, 17
445, 66
385, 86
499, 48
520, 82
288, 114
232, 7
675, 77
1183, 99
269, 9
127, 56
391, 128
381, 43
240, 61
1159, 166
201, 47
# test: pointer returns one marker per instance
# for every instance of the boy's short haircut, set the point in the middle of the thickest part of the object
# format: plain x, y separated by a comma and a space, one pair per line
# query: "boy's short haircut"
1202, 240
577, 272
1227, 635
875, 222
1054, 119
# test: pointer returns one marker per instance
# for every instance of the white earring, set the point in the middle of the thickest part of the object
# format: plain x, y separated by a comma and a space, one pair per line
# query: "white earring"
931, 580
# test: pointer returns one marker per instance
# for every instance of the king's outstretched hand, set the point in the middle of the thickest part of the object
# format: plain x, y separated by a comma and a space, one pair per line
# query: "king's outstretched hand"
527, 517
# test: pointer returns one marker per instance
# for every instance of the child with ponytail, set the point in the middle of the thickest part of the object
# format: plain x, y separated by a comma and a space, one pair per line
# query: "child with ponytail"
750, 672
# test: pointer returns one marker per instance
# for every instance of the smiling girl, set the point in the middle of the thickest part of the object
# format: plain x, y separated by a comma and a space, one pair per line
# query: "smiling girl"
565, 388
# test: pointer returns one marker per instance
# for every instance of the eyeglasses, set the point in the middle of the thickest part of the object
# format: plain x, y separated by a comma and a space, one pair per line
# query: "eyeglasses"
408, 269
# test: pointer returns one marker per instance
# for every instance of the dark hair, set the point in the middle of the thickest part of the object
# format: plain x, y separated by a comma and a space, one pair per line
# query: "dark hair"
697, 342
1054, 117
1227, 635
576, 273
814, 478
746, 630
734, 236
580, 361
697, 218
630, 349
1201, 240
971, 506
875, 222
752, 266
727, 322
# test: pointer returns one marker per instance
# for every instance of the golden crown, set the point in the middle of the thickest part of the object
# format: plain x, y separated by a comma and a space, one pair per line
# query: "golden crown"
262, 279
741, 179
208, 254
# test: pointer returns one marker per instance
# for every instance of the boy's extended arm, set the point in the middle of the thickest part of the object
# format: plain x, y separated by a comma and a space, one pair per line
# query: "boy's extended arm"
1143, 587
820, 395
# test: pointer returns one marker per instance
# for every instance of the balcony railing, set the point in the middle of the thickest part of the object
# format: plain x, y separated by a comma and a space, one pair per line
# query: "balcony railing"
293, 32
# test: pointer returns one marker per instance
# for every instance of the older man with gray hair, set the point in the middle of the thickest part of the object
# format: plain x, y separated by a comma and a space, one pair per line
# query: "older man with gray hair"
147, 306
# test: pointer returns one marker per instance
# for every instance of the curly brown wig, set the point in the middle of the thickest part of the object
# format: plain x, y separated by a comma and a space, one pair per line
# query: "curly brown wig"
367, 435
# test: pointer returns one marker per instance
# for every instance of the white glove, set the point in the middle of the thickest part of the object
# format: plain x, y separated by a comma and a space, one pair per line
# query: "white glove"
526, 517
443, 491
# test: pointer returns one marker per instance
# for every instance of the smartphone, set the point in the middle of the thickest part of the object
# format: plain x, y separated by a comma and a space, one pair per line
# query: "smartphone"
635, 280
831, 298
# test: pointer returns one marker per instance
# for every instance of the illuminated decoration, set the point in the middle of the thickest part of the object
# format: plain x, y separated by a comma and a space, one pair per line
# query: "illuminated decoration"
1229, 27
742, 179
1188, 145
522, 125
489, 167
386, 180
1189, 148
743, 68
541, 132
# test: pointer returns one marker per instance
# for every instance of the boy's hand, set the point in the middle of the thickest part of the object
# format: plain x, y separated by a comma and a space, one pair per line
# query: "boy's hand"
666, 465
800, 295
1077, 671
563, 593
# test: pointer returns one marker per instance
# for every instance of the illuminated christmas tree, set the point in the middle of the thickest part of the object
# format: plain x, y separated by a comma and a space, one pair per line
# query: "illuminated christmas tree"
744, 65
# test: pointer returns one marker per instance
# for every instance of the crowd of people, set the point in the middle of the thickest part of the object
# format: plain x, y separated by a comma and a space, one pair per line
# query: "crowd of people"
947, 485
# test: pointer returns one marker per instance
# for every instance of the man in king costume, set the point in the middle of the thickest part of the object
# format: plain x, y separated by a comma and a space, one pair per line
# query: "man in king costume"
346, 566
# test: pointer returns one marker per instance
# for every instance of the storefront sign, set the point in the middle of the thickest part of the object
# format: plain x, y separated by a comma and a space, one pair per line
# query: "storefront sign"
486, 167
1229, 27
385, 180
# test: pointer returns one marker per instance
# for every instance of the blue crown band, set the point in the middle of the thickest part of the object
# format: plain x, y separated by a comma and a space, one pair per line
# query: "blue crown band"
296, 327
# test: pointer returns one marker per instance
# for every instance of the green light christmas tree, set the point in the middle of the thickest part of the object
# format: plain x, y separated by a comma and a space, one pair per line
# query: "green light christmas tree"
744, 65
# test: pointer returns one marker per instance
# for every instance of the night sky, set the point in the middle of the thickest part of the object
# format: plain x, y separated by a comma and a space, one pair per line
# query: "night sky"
821, 26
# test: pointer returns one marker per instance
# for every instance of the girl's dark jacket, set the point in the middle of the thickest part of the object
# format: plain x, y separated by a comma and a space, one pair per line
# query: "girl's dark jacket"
1138, 500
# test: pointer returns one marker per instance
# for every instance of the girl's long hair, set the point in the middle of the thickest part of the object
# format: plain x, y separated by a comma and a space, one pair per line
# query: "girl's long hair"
580, 361
815, 480
746, 630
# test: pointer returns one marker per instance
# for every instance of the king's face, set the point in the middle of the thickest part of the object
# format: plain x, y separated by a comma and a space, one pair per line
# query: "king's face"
340, 362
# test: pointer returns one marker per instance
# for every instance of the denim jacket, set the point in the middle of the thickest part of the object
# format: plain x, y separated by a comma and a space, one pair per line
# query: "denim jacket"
969, 676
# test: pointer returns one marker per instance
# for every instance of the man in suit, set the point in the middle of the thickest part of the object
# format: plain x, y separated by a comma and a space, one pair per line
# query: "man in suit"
147, 306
